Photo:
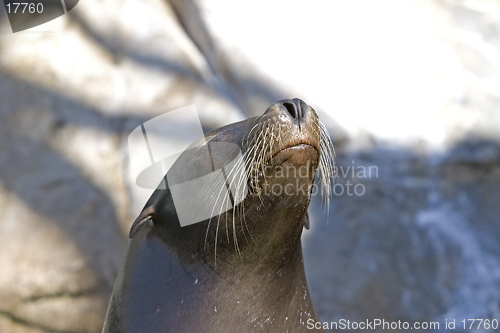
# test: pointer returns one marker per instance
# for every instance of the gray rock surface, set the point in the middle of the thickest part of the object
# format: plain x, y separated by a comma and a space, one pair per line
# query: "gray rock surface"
409, 88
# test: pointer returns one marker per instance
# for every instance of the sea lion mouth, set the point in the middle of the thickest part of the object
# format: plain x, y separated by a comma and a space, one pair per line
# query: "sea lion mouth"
300, 153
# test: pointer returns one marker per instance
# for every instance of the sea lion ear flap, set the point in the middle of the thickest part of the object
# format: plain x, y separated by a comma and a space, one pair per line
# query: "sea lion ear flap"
145, 215
305, 221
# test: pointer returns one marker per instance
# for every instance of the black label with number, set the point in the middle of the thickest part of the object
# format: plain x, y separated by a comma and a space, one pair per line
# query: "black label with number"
28, 14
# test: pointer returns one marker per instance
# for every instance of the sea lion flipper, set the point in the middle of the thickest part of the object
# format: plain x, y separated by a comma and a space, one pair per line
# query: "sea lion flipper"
305, 222
141, 219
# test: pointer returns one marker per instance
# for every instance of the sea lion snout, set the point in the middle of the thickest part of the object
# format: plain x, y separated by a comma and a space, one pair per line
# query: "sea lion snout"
288, 123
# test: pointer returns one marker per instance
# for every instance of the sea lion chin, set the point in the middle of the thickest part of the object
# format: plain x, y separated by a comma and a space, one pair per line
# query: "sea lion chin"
238, 267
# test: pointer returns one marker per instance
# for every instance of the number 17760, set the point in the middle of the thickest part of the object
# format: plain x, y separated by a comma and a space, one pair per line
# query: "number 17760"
32, 7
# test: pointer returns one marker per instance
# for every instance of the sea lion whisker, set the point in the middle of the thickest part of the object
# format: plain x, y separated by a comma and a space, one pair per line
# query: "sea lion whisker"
255, 159
259, 142
243, 179
270, 143
326, 163
236, 170
257, 124
235, 238
213, 210
223, 204
228, 195
280, 132
216, 239
248, 162
222, 187
238, 179
231, 176
263, 152
241, 182
247, 136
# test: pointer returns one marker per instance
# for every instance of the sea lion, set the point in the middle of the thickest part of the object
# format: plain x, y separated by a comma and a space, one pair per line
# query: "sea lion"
241, 269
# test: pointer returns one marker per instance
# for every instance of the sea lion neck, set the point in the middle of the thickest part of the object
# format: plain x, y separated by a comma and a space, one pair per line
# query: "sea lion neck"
252, 242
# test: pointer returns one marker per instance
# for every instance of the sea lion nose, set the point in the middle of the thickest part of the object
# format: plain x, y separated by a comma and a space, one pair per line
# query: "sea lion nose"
295, 108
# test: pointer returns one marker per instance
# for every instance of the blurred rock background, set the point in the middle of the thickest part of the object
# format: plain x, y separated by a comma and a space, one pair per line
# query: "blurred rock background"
408, 88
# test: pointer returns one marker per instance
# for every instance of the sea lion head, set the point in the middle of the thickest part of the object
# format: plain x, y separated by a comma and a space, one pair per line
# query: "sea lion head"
217, 247
245, 188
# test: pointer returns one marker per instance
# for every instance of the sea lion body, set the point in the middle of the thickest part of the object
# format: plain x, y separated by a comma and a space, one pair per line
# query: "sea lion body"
242, 269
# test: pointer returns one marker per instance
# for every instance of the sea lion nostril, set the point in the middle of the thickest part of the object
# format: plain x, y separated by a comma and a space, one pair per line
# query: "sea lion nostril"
297, 108
291, 110
302, 107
